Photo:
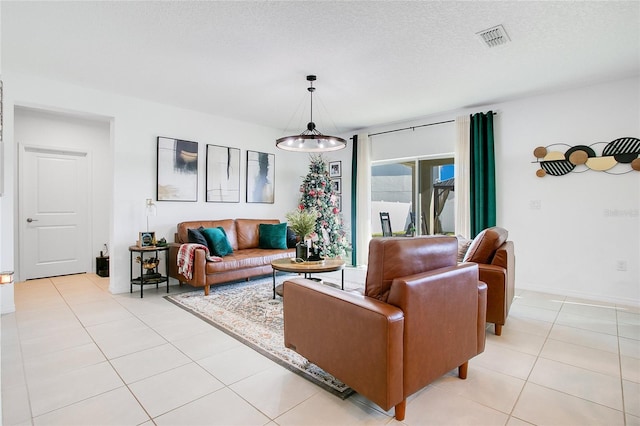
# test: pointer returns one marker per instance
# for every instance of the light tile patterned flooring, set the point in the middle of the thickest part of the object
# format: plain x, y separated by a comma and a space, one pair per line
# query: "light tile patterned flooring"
74, 354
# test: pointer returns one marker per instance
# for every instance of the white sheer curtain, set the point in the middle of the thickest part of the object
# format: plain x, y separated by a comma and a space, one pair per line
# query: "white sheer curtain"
363, 200
462, 177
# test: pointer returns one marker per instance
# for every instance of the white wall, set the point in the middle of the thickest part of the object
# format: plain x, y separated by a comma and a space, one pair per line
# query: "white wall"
572, 244
132, 152
587, 222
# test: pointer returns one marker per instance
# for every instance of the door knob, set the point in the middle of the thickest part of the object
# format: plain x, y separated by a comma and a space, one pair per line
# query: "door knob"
31, 220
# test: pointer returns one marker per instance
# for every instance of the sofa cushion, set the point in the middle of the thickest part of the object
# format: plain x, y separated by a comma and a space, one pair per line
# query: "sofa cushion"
196, 237
217, 241
485, 244
463, 246
292, 238
248, 234
228, 225
272, 236
246, 259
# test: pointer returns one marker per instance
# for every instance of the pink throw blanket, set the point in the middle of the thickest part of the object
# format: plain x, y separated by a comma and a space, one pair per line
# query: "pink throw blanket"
187, 253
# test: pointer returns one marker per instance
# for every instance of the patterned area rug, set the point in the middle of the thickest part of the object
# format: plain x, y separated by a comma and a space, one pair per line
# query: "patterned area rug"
248, 312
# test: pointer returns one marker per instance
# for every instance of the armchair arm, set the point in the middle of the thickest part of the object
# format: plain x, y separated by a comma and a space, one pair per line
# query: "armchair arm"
497, 292
355, 338
492, 274
444, 321
482, 315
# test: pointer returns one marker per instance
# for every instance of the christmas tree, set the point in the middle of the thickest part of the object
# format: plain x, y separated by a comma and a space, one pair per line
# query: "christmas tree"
317, 194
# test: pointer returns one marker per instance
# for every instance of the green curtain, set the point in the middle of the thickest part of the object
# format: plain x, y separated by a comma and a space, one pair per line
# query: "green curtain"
354, 204
483, 173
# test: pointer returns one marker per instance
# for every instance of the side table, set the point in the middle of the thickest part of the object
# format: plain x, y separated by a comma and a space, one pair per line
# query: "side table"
147, 278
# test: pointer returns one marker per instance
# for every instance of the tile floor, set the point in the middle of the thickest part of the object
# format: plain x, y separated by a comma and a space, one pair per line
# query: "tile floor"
74, 354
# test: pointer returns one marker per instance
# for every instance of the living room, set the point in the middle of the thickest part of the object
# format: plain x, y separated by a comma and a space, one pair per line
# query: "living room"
575, 235
125, 173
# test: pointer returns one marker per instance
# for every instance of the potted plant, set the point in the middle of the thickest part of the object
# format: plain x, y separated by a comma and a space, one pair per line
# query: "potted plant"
303, 223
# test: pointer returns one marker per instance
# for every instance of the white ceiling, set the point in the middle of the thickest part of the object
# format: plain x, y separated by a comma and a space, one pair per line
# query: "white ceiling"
376, 62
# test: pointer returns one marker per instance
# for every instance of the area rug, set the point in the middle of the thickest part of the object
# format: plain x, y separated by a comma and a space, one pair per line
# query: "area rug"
248, 312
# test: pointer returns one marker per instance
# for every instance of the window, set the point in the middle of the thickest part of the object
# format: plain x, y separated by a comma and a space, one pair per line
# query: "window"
418, 194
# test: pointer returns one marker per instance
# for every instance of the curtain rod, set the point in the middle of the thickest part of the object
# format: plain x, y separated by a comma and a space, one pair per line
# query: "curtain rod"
415, 127
411, 128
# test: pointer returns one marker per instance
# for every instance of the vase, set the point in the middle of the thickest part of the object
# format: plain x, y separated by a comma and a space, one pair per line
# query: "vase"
301, 250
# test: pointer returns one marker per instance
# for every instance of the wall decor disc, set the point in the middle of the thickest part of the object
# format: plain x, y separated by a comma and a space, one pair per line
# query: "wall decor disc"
615, 157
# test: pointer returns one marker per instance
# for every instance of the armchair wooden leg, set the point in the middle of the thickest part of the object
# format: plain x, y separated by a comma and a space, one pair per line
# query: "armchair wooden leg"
206, 290
462, 370
400, 410
498, 329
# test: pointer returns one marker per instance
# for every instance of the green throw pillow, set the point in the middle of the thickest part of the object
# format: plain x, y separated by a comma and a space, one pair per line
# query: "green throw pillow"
272, 236
217, 241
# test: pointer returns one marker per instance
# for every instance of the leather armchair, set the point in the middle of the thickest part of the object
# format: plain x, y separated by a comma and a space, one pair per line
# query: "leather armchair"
496, 261
421, 316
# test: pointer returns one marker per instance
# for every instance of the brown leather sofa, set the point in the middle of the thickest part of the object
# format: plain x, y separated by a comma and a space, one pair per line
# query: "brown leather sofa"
496, 261
247, 260
421, 316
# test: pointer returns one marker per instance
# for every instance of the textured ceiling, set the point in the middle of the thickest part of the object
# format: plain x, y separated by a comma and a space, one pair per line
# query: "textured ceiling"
376, 62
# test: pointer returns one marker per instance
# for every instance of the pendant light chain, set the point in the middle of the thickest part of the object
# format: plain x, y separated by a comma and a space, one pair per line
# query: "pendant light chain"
311, 140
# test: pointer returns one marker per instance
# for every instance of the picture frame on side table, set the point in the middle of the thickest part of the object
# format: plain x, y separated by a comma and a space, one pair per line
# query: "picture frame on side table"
146, 239
260, 177
177, 172
223, 174
335, 169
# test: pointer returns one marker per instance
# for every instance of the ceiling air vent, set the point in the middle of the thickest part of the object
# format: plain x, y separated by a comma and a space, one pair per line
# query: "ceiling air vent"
495, 36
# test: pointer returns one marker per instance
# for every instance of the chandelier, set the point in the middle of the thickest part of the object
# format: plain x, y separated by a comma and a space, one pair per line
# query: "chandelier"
311, 140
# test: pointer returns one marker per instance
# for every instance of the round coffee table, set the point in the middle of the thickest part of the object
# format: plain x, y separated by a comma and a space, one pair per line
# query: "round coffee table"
307, 268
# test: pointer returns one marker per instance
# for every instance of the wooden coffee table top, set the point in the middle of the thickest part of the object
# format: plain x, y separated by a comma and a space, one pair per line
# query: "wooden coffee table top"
287, 265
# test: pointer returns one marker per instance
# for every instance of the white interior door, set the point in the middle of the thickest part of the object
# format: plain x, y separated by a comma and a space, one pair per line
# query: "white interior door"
54, 193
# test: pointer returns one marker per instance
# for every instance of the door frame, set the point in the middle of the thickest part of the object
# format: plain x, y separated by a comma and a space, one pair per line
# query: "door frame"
21, 151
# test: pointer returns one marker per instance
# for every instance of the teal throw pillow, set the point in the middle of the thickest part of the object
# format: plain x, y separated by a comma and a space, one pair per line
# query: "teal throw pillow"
272, 236
217, 241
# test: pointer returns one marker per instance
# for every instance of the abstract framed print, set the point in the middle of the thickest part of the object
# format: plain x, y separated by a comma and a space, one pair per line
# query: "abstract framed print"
223, 174
177, 173
260, 177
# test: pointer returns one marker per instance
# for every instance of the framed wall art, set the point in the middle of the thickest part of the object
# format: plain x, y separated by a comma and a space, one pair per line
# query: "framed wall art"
223, 174
177, 176
260, 177
336, 185
335, 169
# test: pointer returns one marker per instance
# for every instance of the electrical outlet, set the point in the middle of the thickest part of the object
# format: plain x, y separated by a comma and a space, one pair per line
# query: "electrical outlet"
535, 204
621, 265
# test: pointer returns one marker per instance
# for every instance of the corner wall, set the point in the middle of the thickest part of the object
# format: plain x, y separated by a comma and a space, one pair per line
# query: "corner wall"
132, 174
587, 222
